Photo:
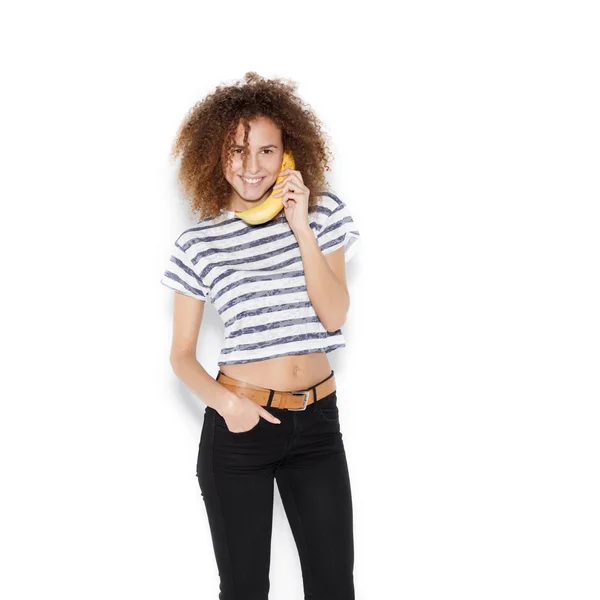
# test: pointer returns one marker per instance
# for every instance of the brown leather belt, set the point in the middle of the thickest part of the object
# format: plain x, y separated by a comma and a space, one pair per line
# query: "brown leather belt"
295, 400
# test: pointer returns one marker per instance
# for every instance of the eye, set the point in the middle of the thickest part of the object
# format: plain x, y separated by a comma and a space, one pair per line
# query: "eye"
269, 150
236, 150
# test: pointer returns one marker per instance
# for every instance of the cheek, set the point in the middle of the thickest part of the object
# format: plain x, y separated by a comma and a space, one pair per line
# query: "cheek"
235, 165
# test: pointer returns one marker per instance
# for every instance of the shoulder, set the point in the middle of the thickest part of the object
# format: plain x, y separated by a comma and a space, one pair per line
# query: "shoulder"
199, 232
327, 199
327, 204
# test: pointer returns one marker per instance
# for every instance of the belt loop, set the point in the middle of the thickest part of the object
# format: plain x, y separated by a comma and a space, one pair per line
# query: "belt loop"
314, 391
271, 394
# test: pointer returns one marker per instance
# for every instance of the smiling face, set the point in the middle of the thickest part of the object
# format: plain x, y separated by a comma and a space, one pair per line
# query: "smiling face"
251, 183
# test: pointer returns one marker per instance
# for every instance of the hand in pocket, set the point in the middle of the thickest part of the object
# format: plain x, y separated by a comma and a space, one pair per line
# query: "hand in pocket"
241, 414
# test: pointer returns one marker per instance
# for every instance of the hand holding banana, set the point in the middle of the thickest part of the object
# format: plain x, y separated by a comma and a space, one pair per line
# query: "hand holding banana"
294, 195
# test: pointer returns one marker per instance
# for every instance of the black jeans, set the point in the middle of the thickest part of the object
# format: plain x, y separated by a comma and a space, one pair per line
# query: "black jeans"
236, 472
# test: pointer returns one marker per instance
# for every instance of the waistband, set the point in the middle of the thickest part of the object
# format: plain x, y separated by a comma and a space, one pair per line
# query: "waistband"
293, 400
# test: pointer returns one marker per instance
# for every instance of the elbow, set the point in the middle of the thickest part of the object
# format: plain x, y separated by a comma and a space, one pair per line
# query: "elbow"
336, 320
176, 359
333, 326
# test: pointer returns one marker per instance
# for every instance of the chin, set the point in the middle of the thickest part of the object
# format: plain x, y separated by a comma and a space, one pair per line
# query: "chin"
254, 198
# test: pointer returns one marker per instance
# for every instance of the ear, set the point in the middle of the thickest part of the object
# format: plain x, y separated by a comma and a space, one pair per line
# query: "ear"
337, 263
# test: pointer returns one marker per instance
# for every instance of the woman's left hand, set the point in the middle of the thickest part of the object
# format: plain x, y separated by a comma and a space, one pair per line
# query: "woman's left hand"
294, 195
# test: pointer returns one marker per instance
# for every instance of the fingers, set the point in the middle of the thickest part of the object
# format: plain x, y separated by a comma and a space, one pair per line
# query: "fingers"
289, 196
292, 172
285, 194
291, 180
265, 414
287, 187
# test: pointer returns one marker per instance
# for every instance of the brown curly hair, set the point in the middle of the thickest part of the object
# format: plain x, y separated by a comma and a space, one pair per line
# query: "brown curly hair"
207, 134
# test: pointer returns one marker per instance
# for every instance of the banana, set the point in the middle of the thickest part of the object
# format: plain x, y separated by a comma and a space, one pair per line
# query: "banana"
271, 206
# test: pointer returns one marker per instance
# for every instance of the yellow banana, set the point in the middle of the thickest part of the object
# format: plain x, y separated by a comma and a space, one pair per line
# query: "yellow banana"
271, 206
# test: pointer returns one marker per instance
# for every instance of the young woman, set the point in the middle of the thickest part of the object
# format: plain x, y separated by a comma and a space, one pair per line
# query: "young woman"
280, 289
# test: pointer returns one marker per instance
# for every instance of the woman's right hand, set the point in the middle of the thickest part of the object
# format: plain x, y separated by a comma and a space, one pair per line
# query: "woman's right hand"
241, 414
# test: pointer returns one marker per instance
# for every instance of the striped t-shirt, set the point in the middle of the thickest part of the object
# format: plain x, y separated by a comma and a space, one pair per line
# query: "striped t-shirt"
253, 275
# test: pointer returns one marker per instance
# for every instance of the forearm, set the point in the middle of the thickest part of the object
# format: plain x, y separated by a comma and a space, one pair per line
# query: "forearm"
327, 293
198, 380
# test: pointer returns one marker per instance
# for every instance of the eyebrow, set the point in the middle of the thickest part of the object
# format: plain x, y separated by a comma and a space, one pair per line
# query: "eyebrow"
262, 147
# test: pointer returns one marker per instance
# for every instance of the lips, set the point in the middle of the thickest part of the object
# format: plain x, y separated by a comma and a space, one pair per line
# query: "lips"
256, 184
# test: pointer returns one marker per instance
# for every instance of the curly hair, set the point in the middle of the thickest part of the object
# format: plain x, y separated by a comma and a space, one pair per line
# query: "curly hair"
206, 137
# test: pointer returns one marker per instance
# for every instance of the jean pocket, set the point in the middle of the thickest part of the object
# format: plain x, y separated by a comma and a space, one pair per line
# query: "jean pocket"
220, 422
327, 408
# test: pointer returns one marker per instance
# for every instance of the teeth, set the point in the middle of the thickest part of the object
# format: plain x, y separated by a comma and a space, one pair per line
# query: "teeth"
252, 180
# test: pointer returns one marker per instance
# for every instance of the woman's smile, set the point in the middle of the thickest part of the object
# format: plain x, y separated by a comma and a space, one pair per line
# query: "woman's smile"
252, 182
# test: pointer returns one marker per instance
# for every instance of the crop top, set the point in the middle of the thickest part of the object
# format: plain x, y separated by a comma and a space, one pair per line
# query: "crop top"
253, 275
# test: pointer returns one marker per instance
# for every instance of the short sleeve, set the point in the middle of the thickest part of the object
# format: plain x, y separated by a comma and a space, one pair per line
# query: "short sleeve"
182, 276
338, 229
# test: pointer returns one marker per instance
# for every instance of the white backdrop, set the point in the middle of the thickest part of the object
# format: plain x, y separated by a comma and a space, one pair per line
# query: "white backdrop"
466, 146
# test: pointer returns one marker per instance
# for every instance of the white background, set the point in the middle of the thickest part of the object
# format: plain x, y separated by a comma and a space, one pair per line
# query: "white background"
466, 142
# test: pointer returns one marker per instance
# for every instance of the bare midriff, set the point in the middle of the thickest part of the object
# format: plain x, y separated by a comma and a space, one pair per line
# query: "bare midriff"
283, 373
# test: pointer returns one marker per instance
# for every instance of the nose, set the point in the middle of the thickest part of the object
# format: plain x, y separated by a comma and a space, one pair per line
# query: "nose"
254, 163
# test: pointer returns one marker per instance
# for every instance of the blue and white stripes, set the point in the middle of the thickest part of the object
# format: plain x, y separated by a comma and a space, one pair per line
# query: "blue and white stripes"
253, 275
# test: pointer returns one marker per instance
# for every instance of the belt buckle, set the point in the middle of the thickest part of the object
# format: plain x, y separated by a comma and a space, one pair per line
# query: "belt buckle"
306, 396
